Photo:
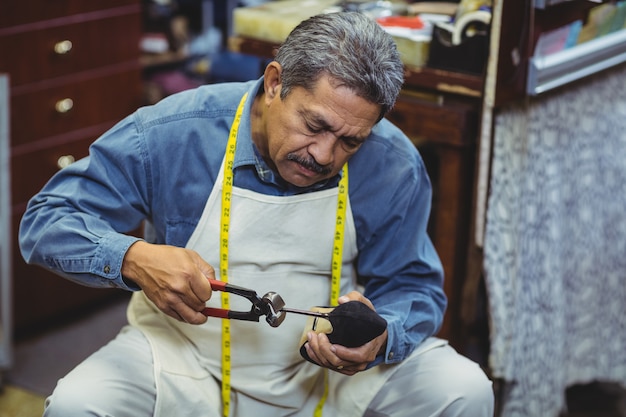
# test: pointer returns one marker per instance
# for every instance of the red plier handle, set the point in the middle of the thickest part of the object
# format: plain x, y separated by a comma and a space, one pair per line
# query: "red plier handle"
270, 305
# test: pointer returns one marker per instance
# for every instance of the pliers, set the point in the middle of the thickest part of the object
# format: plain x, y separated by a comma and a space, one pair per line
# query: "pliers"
270, 305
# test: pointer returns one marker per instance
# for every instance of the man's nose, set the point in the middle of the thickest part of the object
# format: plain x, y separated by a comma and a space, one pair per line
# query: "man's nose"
323, 149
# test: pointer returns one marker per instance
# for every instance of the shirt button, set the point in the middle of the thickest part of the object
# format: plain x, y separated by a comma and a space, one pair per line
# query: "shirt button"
390, 356
107, 269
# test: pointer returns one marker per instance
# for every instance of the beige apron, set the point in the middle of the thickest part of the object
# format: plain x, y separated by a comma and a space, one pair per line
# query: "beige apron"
280, 244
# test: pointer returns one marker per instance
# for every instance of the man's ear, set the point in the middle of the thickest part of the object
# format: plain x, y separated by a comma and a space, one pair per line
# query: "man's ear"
272, 80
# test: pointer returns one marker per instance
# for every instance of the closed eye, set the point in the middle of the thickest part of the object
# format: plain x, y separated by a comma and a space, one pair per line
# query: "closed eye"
314, 129
351, 143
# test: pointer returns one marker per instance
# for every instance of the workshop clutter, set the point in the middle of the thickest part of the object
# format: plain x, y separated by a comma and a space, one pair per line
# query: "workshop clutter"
460, 28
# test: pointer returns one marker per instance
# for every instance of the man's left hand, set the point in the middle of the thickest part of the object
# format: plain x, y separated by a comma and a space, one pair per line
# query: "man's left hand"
347, 361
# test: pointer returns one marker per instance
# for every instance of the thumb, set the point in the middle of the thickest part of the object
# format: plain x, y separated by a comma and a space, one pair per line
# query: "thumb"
202, 287
207, 270
355, 296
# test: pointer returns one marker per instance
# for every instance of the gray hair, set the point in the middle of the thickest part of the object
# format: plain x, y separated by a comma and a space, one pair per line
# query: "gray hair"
349, 47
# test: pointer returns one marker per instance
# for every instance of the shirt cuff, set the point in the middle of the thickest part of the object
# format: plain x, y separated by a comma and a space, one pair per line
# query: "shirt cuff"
396, 351
109, 258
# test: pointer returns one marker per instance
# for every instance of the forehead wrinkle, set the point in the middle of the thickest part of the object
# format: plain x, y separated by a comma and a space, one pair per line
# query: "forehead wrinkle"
315, 117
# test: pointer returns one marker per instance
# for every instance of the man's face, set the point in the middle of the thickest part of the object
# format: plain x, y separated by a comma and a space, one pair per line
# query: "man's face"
311, 134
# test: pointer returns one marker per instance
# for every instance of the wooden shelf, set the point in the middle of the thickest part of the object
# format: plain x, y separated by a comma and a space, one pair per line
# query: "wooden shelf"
444, 81
548, 72
252, 46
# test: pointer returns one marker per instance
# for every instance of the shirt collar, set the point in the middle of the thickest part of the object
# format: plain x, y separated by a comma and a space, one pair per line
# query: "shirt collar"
244, 152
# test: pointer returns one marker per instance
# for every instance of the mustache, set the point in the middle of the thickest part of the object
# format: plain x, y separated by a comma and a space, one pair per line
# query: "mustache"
309, 163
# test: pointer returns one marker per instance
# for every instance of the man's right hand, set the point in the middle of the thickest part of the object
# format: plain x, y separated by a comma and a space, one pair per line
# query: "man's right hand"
175, 279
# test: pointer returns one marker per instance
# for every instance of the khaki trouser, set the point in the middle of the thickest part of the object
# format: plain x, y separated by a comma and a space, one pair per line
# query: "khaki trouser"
118, 381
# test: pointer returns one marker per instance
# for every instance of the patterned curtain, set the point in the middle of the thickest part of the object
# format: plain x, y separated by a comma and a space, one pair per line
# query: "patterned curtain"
555, 243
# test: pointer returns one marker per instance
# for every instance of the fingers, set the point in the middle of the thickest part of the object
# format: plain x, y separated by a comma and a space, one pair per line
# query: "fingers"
187, 283
355, 296
200, 285
334, 357
174, 279
183, 312
347, 361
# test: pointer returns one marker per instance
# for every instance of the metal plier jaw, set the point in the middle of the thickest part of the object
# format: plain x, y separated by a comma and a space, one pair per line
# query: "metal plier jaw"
270, 305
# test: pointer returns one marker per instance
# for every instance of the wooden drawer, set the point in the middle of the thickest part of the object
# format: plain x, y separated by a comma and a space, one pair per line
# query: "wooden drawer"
30, 171
30, 56
43, 113
16, 12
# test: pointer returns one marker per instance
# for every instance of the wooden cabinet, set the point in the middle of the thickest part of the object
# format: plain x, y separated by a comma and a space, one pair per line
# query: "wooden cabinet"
74, 72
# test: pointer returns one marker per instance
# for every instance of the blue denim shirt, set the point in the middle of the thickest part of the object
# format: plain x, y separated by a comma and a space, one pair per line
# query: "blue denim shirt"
160, 163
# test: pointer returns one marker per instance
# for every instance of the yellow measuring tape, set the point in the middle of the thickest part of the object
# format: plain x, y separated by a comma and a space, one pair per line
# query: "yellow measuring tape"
337, 256
227, 191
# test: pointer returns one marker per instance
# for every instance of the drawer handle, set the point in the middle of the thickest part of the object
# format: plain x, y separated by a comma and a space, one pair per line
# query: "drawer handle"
63, 47
65, 105
65, 160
